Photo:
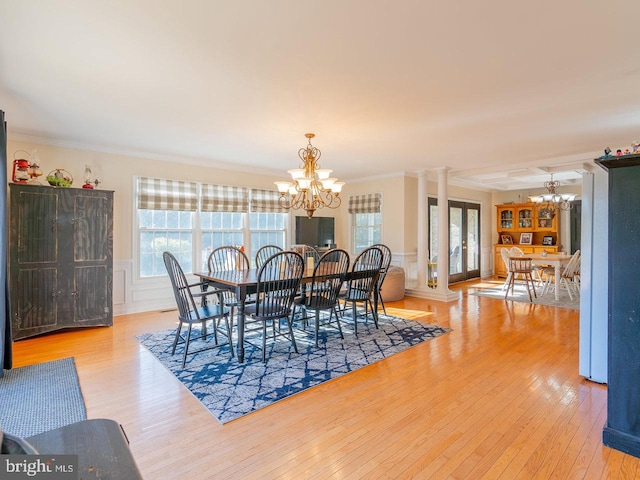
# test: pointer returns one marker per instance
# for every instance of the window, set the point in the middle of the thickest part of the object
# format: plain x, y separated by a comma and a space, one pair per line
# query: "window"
162, 230
191, 220
367, 230
219, 229
226, 228
366, 220
267, 229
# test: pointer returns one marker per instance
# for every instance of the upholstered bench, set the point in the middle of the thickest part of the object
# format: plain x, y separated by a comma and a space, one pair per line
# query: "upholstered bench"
393, 286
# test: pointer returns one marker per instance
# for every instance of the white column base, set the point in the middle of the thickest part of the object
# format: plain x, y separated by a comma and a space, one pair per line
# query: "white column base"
440, 295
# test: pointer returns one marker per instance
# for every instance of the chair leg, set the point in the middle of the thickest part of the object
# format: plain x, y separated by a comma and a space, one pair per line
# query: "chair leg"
232, 310
229, 323
375, 313
303, 320
355, 317
216, 324
317, 325
526, 282
507, 281
186, 347
337, 320
175, 340
509, 285
566, 285
203, 328
384, 309
533, 287
293, 338
264, 342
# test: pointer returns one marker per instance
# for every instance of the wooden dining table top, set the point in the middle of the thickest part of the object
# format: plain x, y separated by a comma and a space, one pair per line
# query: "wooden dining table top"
249, 277
552, 257
242, 278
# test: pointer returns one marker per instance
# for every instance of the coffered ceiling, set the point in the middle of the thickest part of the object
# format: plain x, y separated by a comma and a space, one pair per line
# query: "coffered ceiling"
502, 92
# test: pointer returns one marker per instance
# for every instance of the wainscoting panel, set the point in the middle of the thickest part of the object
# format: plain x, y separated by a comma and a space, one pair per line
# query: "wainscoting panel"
121, 269
135, 296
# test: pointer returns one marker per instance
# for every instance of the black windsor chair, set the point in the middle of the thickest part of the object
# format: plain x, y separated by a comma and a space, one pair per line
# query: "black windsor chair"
190, 313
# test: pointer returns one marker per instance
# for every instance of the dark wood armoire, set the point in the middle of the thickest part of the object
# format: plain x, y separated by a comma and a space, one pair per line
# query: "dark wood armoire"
622, 430
60, 258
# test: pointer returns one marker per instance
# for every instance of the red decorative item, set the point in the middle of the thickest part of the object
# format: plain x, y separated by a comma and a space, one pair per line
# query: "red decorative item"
20, 171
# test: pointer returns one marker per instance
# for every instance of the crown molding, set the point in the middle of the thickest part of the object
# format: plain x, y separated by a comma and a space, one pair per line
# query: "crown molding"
111, 150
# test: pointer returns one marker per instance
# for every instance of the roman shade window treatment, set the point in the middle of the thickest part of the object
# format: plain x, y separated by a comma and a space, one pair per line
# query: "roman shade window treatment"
161, 194
369, 203
224, 198
266, 201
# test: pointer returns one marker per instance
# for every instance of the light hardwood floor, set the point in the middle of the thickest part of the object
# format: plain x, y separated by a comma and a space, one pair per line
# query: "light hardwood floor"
499, 397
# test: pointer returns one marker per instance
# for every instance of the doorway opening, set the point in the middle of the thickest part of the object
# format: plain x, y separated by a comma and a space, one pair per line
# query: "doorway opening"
575, 222
464, 239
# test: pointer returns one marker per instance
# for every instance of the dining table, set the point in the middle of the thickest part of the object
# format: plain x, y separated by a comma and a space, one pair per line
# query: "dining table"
556, 260
245, 282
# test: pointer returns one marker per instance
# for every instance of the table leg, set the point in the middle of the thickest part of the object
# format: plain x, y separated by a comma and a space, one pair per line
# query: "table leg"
558, 277
241, 294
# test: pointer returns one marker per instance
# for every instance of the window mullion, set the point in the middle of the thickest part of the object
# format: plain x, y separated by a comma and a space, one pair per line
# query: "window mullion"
196, 234
246, 232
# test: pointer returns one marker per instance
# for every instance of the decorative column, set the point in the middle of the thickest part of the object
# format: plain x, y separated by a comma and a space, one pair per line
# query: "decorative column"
423, 239
442, 292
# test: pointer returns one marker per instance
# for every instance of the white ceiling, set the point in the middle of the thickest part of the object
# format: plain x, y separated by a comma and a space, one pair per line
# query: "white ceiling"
503, 92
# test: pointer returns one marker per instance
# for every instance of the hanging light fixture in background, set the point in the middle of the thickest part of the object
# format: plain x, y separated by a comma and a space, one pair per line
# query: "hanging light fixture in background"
312, 187
554, 200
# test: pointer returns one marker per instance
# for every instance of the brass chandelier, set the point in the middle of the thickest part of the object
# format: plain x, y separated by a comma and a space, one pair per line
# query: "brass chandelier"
312, 187
554, 200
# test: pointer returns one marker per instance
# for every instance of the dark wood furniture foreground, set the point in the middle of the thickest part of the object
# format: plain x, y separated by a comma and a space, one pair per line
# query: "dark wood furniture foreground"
101, 446
622, 430
60, 258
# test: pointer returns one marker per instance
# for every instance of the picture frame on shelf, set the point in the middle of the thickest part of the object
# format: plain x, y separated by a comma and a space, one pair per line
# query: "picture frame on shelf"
547, 240
506, 239
526, 238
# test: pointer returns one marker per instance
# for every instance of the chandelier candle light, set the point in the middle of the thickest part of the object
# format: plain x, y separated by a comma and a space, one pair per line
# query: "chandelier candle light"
554, 201
312, 187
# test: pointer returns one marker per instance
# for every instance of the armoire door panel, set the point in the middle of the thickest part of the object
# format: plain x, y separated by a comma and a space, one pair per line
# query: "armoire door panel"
36, 299
90, 228
37, 228
92, 294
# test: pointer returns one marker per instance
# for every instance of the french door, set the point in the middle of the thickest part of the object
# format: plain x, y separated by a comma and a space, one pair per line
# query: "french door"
464, 239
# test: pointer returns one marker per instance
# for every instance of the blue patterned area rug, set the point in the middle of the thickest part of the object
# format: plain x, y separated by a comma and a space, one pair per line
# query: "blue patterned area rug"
40, 397
230, 390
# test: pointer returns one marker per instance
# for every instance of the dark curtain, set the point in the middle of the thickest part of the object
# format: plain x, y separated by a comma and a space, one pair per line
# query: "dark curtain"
5, 313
